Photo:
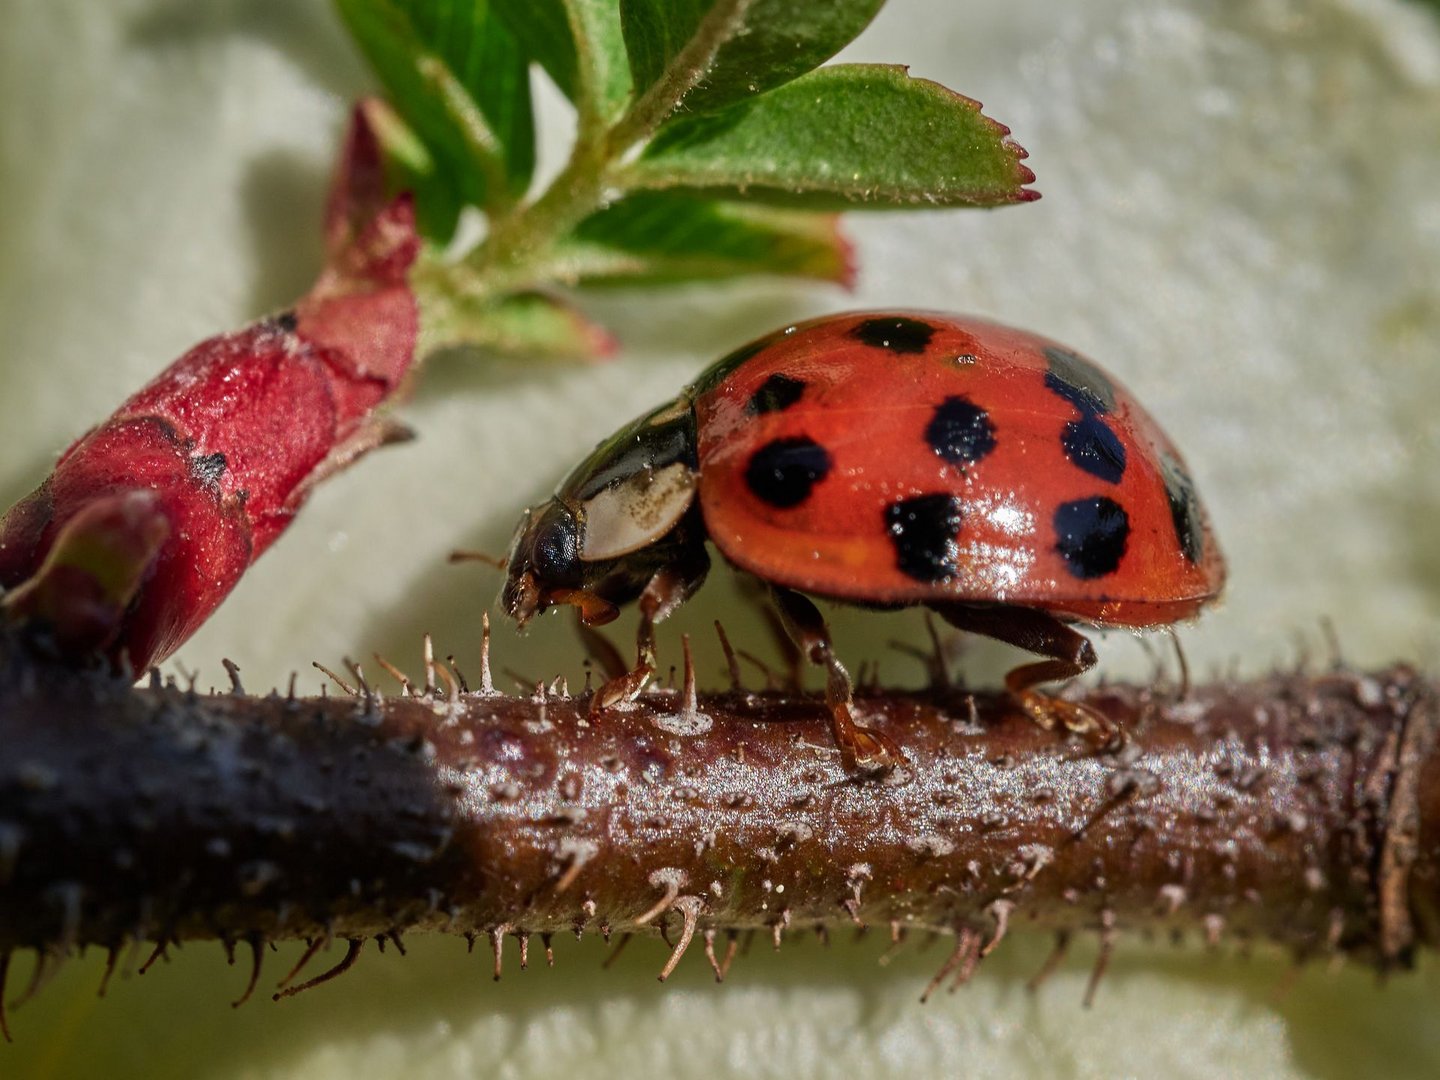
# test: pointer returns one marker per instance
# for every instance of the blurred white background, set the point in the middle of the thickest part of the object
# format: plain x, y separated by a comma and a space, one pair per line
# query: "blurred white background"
1241, 219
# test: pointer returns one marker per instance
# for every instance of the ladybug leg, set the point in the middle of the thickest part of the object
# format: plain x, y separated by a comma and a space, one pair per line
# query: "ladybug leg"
1069, 654
860, 747
666, 591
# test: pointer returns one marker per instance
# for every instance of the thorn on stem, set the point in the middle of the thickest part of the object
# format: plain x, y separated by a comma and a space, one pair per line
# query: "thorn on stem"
111, 956
962, 961
715, 965
772, 681
40, 976
777, 929
609, 961
257, 954
689, 908
670, 879
157, 953
429, 650
487, 684
1332, 643
4, 974
359, 677
497, 945
395, 673
352, 953
897, 940
1000, 911
689, 704
233, 670
452, 687
1102, 962
1214, 924
732, 662
335, 678
311, 948
1052, 962
1181, 661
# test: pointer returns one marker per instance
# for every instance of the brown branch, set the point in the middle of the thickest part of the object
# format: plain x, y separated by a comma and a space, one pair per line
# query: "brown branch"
1300, 809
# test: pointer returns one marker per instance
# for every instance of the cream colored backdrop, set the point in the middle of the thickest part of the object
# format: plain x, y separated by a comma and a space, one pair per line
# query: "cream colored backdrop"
1241, 219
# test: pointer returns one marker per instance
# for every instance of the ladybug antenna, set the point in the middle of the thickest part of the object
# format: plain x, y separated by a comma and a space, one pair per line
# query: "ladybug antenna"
467, 555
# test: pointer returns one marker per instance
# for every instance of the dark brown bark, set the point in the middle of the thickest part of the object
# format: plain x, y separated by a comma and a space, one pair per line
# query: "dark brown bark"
1299, 809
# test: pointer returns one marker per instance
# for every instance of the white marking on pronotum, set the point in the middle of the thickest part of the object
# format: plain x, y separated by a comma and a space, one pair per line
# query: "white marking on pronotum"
635, 512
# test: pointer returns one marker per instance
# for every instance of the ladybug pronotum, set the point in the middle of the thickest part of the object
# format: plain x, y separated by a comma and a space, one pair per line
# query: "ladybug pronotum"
994, 476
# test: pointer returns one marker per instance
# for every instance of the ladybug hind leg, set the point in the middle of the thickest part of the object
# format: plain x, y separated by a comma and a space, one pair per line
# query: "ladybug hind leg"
1067, 653
861, 748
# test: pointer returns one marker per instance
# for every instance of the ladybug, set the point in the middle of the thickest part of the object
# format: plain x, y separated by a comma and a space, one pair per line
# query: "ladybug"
994, 476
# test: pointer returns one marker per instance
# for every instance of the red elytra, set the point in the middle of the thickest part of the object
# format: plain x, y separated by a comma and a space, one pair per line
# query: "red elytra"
1030, 428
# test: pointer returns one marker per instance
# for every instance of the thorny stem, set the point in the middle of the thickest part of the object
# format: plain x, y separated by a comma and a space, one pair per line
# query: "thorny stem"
1304, 810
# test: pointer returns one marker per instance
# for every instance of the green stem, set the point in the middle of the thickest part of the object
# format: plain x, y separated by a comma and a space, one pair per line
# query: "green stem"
522, 240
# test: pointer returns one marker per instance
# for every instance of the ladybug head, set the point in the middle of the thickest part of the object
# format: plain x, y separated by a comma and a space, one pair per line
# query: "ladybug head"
545, 567
612, 523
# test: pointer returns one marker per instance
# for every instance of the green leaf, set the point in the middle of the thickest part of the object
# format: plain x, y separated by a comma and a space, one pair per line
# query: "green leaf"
847, 136
530, 325
458, 77
665, 237
771, 43
578, 43
719, 52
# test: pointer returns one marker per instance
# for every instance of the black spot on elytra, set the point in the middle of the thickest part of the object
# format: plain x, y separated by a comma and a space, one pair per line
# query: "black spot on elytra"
776, 394
1092, 446
960, 432
785, 471
208, 468
895, 333
923, 530
1089, 443
1091, 534
1184, 508
1079, 381
287, 321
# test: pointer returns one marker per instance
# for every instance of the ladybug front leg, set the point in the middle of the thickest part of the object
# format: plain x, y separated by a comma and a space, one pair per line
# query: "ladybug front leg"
860, 747
665, 591
1070, 654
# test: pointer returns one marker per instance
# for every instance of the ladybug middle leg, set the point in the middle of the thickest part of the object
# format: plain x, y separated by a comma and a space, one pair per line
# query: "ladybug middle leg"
1069, 654
665, 591
860, 747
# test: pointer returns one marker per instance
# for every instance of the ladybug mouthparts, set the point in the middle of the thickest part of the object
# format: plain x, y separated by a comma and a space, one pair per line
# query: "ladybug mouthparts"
521, 598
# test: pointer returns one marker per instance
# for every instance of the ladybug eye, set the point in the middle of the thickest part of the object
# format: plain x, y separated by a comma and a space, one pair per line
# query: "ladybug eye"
553, 554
